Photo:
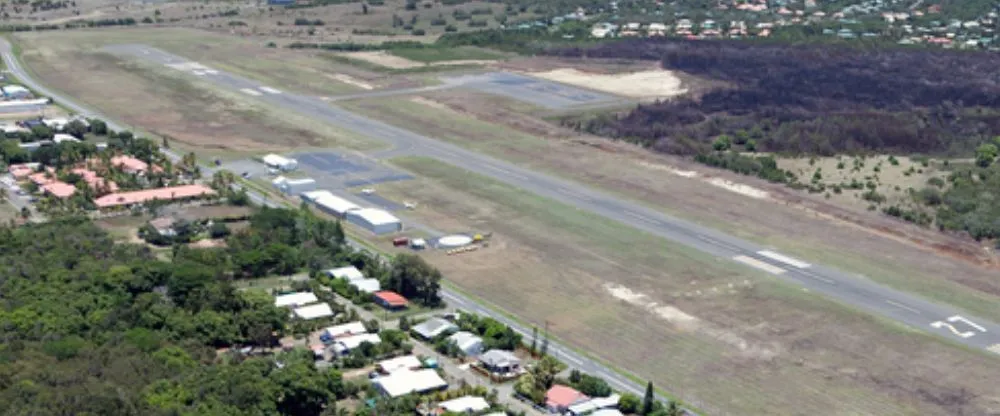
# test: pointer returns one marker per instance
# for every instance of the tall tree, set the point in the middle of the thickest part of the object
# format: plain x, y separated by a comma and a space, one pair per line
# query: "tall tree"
648, 400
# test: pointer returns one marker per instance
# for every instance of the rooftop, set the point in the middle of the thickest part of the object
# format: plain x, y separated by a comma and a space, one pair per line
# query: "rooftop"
59, 189
391, 298
563, 396
404, 363
319, 310
405, 382
433, 327
175, 192
293, 299
499, 358
353, 341
367, 285
375, 216
351, 328
347, 272
465, 404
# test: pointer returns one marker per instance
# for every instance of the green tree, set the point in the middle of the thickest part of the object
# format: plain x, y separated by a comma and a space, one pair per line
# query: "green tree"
985, 154
629, 403
98, 127
648, 399
722, 143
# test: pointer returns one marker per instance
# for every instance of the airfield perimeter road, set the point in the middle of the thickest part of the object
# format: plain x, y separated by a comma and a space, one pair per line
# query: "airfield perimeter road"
453, 297
857, 291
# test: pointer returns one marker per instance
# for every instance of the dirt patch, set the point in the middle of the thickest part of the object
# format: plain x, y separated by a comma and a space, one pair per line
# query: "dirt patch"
384, 58
645, 84
347, 79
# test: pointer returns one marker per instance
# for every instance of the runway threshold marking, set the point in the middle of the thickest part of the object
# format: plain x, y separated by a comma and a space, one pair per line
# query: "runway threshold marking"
752, 262
249, 91
784, 259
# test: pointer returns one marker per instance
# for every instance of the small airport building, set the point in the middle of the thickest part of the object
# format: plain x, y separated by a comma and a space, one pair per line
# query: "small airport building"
294, 186
16, 92
280, 162
375, 220
330, 203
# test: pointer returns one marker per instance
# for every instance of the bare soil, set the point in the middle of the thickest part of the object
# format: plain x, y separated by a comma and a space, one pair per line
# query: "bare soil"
643, 84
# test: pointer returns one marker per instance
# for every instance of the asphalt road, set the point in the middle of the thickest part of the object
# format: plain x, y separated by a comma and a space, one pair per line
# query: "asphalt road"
853, 290
457, 299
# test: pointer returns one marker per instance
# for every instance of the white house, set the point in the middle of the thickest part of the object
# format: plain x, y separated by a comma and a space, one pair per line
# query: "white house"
16, 92
403, 363
316, 311
24, 106
280, 162
346, 344
470, 344
375, 220
402, 383
433, 327
465, 404
347, 273
348, 329
500, 362
595, 404
367, 285
295, 299
60, 138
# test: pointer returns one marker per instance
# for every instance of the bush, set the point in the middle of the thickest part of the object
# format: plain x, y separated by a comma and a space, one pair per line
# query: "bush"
418, 32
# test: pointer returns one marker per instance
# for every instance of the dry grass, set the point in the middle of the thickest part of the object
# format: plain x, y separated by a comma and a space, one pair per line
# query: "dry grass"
803, 226
756, 347
644, 84
165, 102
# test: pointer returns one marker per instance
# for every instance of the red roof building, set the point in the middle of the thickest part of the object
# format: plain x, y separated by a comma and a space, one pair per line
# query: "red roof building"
163, 194
130, 164
59, 189
559, 398
391, 300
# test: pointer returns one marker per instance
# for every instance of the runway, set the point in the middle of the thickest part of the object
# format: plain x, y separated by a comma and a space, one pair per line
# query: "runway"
856, 291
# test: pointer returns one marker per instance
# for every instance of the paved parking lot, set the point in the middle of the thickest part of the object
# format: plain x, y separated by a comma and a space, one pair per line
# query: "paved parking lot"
533, 90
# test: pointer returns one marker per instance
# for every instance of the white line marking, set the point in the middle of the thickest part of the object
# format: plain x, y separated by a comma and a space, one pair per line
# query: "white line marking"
902, 306
572, 359
818, 277
784, 259
249, 91
995, 348
959, 318
940, 324
270, 90
640, 217
752, 262
570, 193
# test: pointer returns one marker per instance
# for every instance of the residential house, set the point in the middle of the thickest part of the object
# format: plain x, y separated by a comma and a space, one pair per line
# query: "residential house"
500, 362
132, 165
315, 311
403, 363
402, 383
560, 398
59, 189
22, 170
390, 300
367, 285
595, 404
128, 199
295, 299
433, 327
347, 273
165, 227
464, 404
345, 345
345, 330
467, 342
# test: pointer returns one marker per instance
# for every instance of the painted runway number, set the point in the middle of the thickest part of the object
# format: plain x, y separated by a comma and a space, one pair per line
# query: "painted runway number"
970, 328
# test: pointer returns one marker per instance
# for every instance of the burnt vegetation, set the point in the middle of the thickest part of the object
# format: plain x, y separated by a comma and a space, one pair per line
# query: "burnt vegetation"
816, 99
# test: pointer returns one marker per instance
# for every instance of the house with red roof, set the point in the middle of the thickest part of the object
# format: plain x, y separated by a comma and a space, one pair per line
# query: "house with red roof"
390, 300
94, 181
174, 193
59, 189
22, 170
559, 398
133, 165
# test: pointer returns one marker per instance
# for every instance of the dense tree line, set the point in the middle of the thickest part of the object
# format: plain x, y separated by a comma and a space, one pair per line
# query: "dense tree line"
820, 99
94, 327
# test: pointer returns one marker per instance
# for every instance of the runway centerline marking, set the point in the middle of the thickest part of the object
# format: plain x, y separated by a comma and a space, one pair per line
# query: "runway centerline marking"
818, 277
784, 259
641, 217
717, 243
249, 91
752, 262
902, 306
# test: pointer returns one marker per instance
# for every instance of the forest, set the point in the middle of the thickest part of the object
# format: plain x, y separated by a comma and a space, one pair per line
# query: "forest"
817, 99
94, 327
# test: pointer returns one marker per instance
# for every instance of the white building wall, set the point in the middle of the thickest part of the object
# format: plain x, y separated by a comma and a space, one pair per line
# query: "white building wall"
359, 218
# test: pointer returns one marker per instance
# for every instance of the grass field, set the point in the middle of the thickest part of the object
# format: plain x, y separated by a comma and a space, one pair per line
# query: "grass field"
473, 121
195, 113
669, 313
429, 55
